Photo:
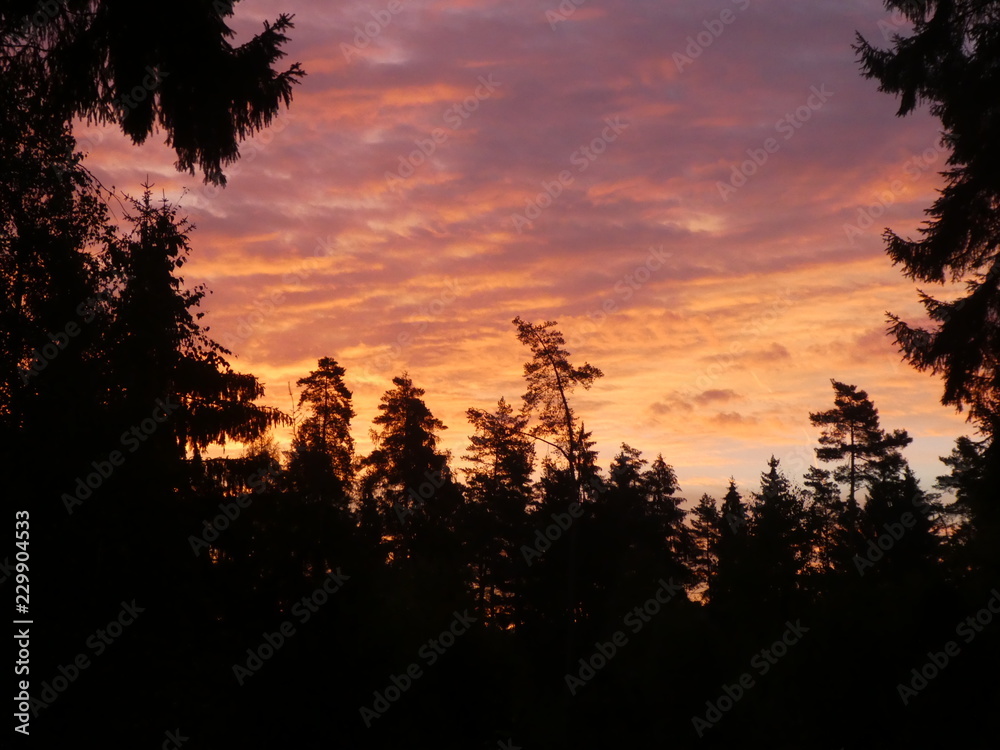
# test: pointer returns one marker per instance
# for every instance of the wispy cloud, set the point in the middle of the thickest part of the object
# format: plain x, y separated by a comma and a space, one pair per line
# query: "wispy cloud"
720, 354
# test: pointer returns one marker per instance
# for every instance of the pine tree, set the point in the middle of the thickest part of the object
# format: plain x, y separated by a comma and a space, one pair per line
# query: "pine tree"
322, 456
851, 432
621, 535
501, 453
551, 380
625, 475
634, 532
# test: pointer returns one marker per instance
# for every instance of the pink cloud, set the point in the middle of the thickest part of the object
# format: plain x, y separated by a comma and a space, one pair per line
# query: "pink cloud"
360, 260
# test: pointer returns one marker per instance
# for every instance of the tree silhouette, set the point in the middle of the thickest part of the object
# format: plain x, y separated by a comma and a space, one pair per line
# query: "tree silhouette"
851, 431
405, 477
833, 524
52, 220
621, 544
891, 497
322, 455
501, 453
551, 379
949, 61
162, 349
973, 544
705, 528
565, 568
779, 541
637, 530
729, 587
499, 490
145, 67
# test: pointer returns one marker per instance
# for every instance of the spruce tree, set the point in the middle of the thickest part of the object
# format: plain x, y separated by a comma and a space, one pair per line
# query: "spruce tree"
730, 587
321, 461
499, 491
405, 477
705, 528
148, 68
665, 509
779, 540
949, 62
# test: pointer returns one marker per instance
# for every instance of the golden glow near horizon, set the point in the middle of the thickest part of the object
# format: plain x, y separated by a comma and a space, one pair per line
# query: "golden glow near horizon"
717, 252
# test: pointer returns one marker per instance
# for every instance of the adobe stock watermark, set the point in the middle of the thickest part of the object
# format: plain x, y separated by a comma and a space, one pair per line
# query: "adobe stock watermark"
47, 10
701, 41
967, 630
381, 362
581, 158
894, 531
565, 9
266, 303
762, 662
58, 341
625, 288
98, 643
786, 127
229, 511
637, 618
365, 33
898, 19
139, 92
174, 740
454, 116
249, 151
912, 168
303, 610
752, 329
419, 496
430, 652
552, 533
561, 522
132, 439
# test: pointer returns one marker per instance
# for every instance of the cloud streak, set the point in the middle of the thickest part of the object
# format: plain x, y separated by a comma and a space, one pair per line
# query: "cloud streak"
716, 358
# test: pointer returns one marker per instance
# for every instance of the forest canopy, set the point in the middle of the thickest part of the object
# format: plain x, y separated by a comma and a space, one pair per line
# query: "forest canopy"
195, 574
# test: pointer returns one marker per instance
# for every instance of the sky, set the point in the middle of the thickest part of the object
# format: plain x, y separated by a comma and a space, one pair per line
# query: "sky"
695, 191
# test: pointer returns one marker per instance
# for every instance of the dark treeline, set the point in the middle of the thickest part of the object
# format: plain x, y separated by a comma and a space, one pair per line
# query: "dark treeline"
315, 597
585, 605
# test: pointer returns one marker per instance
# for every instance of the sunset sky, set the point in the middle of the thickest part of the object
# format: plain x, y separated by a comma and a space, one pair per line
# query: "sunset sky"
695, 191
